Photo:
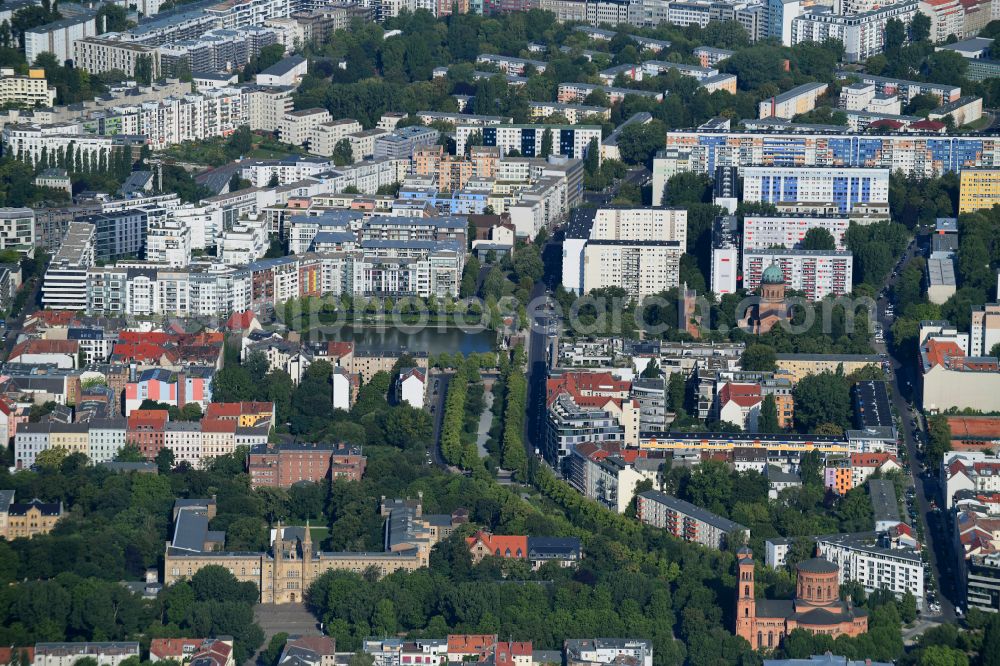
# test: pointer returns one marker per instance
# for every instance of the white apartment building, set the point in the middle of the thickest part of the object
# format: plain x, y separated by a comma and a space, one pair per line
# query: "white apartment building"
267, 106
58, 37
817, 273
204, 224
840, 185
367, 177
100, 54
376, 268
30, 440
341, 392
609, 480
573, 113
168, 241
642, 268
67, 654
541, 205
761, 232
363, 142
29, 141
567, 140
106, 439
974, 471
65, 284
184, 438
245, 242
303, 229
864, 97
193, 117
30, 90
296, 126
790, 103
876, 562
17, 229
725, 255
641, 245
323, 138
286, 72
291, 169
947, 18
985, 330
863, 34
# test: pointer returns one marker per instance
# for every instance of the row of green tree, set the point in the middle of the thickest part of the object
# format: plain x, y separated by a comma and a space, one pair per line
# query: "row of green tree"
463, 406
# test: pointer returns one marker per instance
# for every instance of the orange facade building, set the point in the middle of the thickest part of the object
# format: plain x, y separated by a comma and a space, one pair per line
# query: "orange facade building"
817, 607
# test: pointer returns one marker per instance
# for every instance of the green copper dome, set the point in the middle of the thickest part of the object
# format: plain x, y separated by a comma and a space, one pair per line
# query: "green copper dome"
772, 275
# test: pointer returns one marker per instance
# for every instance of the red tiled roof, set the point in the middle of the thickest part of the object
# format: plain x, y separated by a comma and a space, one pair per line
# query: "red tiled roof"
153, 337
173, 648
54, 317
415, 372
744, 395
222, 410
505, 652
886, 123
338, 348
503, 546
321, 645
870, 459
931, 125
240, 321
215, 651
147, 417
138, 351
974, 427
470, 643
577, 383
218, 425
940, 352
10, 655
39, 346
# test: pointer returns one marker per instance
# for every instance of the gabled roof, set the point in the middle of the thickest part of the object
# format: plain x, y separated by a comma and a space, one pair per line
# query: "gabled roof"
174, 648
871, 459
40, 346
406, 373
470, 643
240, 321
744, 395
501, 546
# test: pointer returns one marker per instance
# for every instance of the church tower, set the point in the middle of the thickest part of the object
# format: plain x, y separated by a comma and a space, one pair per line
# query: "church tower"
746, 606
307, 554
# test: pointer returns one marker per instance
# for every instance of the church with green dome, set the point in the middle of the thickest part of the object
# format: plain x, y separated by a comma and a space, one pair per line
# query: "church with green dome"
771, 307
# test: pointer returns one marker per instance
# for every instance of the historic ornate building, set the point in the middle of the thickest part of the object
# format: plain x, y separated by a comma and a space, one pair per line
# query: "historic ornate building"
771, 308
817, 607
26, 519
284, 573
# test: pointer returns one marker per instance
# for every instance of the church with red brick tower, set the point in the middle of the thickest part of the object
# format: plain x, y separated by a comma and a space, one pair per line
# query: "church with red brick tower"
817, 607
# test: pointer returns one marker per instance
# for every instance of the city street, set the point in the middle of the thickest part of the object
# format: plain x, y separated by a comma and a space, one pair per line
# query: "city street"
904, 382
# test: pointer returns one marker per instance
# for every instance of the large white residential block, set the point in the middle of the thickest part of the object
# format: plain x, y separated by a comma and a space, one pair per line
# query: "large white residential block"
635, 248
58, 38
760, 232
817, 273
567, 140
844, 187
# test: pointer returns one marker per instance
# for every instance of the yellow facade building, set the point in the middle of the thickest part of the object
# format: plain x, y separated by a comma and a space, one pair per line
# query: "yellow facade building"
285, 572
30, 90
23, 520
802, 365
74, 437
980, 188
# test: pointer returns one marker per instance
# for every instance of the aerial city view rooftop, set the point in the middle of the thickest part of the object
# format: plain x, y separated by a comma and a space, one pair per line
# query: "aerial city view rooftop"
506, 333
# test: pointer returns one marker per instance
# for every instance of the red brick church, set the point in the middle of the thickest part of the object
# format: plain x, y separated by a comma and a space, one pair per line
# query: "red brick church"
817, 607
